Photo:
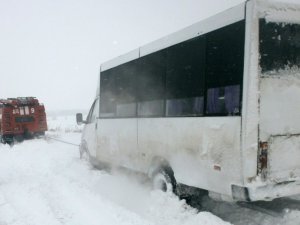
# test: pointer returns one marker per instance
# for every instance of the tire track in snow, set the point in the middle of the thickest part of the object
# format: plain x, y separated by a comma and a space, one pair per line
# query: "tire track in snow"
279, 211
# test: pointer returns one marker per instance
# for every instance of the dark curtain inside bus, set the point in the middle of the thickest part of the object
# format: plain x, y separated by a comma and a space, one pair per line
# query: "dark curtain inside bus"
279, 45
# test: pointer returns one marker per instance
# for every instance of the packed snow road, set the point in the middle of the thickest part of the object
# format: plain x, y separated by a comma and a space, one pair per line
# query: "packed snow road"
45, 182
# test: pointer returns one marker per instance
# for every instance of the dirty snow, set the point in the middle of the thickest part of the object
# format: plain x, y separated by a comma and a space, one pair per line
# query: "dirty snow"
276, 10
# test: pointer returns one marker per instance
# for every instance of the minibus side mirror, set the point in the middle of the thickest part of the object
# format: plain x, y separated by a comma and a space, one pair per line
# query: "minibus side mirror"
79, 119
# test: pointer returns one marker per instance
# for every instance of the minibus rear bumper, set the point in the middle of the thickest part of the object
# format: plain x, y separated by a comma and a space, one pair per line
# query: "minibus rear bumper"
265, 192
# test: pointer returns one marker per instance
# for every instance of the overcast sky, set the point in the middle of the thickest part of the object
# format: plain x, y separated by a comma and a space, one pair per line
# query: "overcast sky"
52, 49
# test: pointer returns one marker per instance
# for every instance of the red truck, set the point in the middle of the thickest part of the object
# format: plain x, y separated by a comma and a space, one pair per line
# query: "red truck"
22, 117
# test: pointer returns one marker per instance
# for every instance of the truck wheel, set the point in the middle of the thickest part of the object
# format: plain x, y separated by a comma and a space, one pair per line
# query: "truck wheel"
164, 180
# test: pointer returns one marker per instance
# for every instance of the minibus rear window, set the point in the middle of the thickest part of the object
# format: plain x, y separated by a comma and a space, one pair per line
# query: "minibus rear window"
279, 45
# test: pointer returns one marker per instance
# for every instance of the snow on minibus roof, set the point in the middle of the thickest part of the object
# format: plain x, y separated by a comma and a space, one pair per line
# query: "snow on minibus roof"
214, 22
279, 11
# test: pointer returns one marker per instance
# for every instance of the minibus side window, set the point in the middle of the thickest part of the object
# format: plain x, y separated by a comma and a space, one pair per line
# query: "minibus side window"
224, 69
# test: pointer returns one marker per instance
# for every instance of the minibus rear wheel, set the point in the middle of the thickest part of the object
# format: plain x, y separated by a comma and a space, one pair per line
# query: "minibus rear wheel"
164, 180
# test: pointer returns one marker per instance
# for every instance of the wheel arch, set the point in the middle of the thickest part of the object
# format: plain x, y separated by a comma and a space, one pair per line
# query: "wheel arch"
161, 167
158, 163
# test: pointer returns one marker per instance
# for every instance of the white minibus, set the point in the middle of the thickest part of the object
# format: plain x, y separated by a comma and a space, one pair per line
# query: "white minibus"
214, 106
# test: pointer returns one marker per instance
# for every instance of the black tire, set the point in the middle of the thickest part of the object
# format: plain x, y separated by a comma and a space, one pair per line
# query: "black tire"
7, 139
163, 179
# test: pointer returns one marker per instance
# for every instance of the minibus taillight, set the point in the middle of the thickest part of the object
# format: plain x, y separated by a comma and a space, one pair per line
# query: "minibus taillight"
262, 163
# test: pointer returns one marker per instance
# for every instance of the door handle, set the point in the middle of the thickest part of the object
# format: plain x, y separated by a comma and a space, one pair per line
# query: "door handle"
96, 126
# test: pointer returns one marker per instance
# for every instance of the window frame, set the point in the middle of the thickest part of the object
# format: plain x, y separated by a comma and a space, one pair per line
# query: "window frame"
90, 114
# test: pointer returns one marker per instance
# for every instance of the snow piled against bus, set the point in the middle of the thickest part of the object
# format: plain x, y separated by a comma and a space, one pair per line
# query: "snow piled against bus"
45, 182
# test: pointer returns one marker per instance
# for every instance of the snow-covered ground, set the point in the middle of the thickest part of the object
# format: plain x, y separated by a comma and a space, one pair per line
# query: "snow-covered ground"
43, 181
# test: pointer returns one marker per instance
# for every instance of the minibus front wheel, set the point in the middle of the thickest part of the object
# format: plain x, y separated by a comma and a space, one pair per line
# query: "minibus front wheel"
84, 152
